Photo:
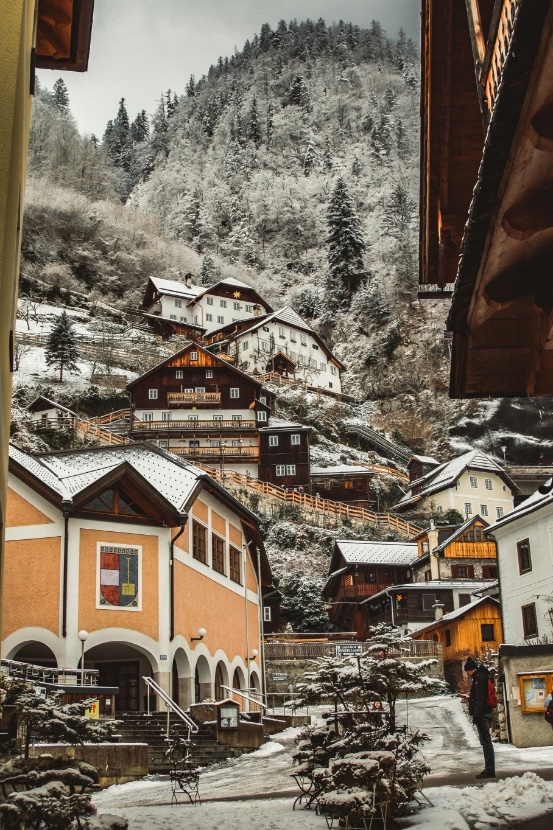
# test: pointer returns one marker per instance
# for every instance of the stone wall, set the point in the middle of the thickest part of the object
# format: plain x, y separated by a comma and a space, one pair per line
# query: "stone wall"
524, 728
116, 763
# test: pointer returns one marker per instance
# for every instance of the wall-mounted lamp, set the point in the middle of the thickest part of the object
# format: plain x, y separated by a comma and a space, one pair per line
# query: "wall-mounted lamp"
202, 632
254, 654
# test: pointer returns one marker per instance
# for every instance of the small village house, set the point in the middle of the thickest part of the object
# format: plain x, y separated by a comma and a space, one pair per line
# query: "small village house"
161, 566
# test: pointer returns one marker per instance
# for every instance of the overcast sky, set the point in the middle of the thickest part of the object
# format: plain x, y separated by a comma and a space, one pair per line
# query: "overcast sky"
143, 47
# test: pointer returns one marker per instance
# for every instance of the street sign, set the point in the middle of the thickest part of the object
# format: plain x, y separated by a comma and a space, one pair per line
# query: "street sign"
349, 649
279, 676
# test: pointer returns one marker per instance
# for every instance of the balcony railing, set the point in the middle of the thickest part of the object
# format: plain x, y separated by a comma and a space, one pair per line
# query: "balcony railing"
193, 426
252, 453
497, 51
363, 589
193, 398
310, 651
68, 677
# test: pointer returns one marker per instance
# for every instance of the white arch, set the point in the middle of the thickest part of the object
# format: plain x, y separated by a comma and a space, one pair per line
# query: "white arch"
23, 636
127, 636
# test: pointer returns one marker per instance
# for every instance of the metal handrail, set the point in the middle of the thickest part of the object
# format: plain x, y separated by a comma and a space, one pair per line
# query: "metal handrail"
246, 697
47, 674
192, 727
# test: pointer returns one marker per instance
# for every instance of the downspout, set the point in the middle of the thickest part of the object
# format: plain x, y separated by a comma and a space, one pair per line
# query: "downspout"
66, 511
182, 519
261, 628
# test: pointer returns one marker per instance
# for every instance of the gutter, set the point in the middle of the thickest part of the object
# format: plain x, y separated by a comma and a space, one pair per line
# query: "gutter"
182, 520
66, 511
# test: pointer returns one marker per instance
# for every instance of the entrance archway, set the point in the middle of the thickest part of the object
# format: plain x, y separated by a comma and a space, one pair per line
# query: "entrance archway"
221, 679
182, 680
124, 666
37, 653
203, 688
239, 683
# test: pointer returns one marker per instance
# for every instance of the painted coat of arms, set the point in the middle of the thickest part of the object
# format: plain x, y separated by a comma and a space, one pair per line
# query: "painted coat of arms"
118, 576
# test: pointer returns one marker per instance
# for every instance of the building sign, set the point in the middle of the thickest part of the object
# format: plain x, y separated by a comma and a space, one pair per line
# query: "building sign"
280, 676
119, 576
349, 649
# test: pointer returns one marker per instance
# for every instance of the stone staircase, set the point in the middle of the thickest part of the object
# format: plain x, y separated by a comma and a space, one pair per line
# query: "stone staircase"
151, 730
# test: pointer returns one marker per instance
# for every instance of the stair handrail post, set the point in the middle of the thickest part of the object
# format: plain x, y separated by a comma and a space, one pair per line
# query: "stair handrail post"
150, 682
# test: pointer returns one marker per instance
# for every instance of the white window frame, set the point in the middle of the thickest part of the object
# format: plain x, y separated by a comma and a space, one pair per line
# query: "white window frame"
220, 318
237, 306
273, 440
267, 613
209, 317
166, 416
290, 469
262, 416
303, 339
222, 303
209, 373
488, 483
484, 510
179, 374
153, 394
193, 355
500, 512
234, 392
178, 303
209, 300
473, 481
148, 416
468, 508
295, 439
280, 470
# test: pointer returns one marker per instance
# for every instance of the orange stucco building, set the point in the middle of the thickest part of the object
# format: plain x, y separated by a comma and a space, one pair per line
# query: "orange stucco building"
141, 550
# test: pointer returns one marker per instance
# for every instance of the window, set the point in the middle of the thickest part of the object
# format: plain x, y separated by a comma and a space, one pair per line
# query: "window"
192, 417
290, 469
529, 620
178, 303
217, 554
483, 509
236, 442
223, 303
487, 632
301, 360
464, 599
209, 300
273, 440
237, 306
209, 318
235, 565
473, 481
524, 558
165, 416
312, 363
314, 346
245, 346
499, 512
447, 637
182, 319
266, 613
199, 542
333, 370
295, 440
179, 373
468, 508
172, 316
281, 332
193, 355
220, 318
266, 328
148, 416
293, 337
209, 373
439, 509
280, 469
488, 483
236, 417
261, 416
262, 399
428, 601
194, 444
234, 392
293, 356
489, 571
462, 571
163, 444
303, 339
217, 417
323, 367
248, 308
152, 394
200, 390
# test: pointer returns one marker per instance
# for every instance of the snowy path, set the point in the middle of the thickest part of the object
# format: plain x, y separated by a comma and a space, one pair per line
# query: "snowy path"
453, 748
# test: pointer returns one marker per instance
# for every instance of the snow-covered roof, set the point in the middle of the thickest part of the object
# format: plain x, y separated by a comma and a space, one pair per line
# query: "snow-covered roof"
459, 612
374, 553
41, 471
425, 459
281, 423
42, 403
460, 530
433, 585
339, 469
447, 474
174, 287
542, 497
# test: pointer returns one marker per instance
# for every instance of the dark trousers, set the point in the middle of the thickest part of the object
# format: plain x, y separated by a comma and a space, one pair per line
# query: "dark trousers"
483, 723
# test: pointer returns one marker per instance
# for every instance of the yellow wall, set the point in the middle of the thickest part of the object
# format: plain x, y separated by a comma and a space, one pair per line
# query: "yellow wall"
92, 618
32, 584
16, 40
20, 513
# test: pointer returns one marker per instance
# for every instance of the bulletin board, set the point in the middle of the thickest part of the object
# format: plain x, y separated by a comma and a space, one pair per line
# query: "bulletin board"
534, 689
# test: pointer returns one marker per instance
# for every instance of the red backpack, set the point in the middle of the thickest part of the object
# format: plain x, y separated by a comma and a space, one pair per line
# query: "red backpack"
549, 713
491, 699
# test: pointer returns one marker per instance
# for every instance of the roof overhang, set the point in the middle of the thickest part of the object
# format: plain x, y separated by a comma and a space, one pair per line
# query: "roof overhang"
64, 29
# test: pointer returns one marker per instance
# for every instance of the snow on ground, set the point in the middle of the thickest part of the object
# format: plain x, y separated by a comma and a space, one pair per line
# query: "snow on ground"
229, 790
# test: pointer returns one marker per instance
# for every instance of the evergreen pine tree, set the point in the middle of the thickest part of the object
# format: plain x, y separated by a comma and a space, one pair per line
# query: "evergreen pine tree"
328, 156
356, 167
270, 122
298, 94
254, 132
399, 214
60, 96
309, 159
190, 88
61, 348
346, 245
321, 36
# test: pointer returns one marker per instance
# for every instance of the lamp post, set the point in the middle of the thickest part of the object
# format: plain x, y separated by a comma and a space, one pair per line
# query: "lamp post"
83, 637
504, 451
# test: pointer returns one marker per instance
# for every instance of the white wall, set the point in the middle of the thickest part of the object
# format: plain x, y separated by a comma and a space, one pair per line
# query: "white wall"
457, 498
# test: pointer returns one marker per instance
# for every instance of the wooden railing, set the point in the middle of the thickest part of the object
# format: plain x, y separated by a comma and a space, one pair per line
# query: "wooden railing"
322, 506
312, 651
192, 426
252, 453
47, 424
118, 415
104, 436
193, 397
497, 51
363, 589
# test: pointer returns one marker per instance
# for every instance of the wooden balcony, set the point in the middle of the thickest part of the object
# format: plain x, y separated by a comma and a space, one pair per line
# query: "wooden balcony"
249, 453
216, 427
497, 50
360, 591
312, 651
193, 398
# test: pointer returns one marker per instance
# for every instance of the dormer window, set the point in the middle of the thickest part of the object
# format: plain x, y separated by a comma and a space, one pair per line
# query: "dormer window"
193, 355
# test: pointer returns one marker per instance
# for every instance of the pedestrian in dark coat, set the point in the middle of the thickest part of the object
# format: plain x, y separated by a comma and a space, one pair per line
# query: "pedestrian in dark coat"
481, 713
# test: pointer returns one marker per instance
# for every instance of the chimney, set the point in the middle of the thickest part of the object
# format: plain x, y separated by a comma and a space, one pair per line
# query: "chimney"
432, 534
256, 310
438, 610
189, 280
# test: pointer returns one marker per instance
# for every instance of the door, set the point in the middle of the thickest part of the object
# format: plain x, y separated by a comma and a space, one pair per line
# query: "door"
127, 677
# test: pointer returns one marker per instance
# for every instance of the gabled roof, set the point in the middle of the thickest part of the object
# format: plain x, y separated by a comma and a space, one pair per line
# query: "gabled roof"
195, 348
444, 476
375, 553
460, 530
285, 315
230, 282
280, 424
41, 403
175, 288
542, 497
458, 614
341, 469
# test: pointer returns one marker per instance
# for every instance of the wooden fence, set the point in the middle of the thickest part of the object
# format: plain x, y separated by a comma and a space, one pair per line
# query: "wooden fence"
104, 436
410, 649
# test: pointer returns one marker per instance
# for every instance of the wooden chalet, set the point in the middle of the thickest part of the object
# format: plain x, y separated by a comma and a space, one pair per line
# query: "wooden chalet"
284, 449
48, 415
486, 215
360, 569
466, 551
473, 630
346, 483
